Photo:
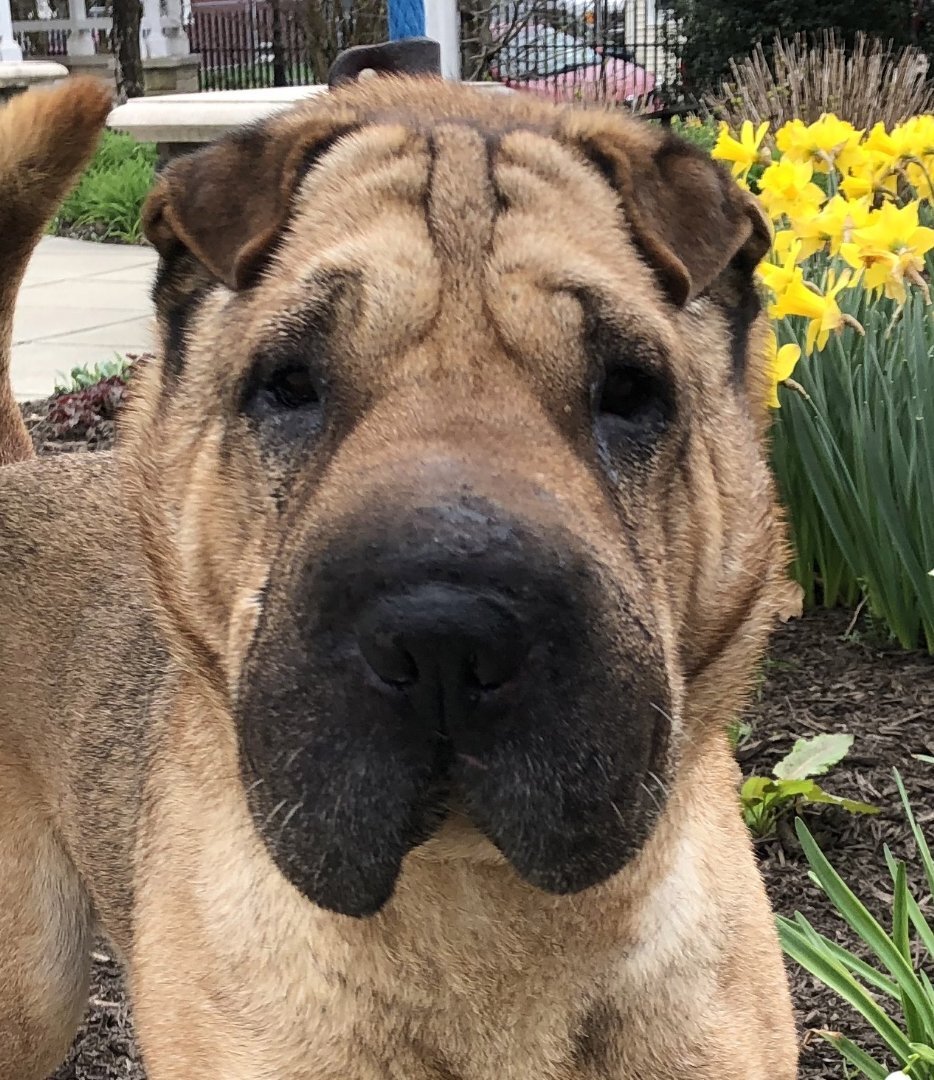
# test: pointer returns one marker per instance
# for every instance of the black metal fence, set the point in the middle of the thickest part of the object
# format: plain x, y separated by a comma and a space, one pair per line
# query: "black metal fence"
249, 43
241, 49
623, 51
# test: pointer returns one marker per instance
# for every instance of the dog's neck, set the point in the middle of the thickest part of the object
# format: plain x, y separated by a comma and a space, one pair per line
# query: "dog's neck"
465, 954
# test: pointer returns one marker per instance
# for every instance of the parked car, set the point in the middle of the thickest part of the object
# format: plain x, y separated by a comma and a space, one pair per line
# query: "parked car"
608, 24
550, 62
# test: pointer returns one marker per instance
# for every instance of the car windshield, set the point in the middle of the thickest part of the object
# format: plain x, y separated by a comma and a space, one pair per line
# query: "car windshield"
538, 51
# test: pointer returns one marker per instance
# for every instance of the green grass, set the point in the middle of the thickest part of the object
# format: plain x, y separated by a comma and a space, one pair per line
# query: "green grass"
108, 199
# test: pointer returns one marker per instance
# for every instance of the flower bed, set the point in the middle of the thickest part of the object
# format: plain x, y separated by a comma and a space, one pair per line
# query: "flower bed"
852, 357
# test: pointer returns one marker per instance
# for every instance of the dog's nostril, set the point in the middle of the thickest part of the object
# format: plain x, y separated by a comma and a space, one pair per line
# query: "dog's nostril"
490, 670
450, 643
388, 656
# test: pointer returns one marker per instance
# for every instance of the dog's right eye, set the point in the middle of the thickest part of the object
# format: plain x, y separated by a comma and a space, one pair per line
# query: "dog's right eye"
292, 389
284, 390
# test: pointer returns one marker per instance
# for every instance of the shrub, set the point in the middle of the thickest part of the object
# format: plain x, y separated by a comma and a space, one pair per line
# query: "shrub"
80, 411
702, 133
853, 442
83, 378
796, 81
93, 396
893, 993
108, 199
714, 32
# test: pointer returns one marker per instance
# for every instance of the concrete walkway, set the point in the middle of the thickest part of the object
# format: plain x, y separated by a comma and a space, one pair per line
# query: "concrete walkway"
80, 303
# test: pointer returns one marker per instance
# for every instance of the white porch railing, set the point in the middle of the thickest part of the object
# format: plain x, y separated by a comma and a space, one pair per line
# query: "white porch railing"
160, 35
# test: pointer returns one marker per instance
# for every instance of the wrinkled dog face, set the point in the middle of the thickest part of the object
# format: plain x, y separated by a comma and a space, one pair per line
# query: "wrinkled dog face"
460, 490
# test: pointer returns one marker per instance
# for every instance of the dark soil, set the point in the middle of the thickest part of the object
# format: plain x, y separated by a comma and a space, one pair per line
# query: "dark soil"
97, 231
818, 678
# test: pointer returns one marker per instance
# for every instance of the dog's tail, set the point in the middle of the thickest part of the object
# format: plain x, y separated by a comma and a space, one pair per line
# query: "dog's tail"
46, 138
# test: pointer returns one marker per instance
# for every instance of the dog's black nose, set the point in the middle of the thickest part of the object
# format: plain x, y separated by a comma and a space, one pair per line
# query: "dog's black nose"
443, 645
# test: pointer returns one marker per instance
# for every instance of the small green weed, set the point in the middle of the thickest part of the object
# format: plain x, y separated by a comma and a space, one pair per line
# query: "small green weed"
766, 798
83, 378
109, 196
738, 732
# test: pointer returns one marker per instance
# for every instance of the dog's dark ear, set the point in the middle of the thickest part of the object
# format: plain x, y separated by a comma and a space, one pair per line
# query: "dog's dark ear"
409, 56
228, 203
688, 216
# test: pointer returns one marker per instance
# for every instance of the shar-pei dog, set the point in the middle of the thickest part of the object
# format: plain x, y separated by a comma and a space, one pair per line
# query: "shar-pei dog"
371, 696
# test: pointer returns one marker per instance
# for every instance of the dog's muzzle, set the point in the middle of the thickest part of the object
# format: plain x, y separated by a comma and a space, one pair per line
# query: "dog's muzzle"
450, 655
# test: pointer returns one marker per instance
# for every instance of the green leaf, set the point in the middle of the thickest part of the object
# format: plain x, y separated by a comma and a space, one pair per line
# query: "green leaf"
813, 756
923, 850
920, 923
818, 795
867, 927
925, 1052
866, 972
818, 961
754, 788
867, 1065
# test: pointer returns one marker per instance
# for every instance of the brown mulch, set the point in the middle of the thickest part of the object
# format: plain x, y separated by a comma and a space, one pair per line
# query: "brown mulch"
96, 231
818, 678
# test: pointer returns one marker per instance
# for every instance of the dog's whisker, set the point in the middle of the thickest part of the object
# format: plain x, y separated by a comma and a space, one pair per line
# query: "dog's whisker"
651, 794
659, 782
272, 813
288, 817
663, 712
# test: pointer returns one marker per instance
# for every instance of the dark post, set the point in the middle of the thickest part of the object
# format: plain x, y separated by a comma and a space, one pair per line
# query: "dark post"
279, 73
128, 62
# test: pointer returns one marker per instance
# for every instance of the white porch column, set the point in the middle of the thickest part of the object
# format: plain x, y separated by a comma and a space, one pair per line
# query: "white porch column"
152, 40
80, 42
442, 24
175, 36
9, 50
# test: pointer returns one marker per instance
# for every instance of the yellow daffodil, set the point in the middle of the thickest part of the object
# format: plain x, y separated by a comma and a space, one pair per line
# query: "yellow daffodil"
786, 188
890, 249
830, 226
780, 363
821, 309
829, 143
896, 228
879, 142
907, 150
914, 137
919, 174
778, 278
744, 152
871, 180
783, 241
883, 152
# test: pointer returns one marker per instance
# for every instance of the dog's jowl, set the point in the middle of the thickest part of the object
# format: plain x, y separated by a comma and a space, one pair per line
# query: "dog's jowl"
382, 725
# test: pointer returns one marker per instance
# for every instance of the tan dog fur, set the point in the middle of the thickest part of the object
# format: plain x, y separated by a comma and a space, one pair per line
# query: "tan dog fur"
131, 589
46, 138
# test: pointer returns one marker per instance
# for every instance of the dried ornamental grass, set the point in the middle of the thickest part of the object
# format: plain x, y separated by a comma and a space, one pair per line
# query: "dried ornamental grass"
801, 81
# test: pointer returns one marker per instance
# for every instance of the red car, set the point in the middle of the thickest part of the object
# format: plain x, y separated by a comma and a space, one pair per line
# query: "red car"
549, 62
